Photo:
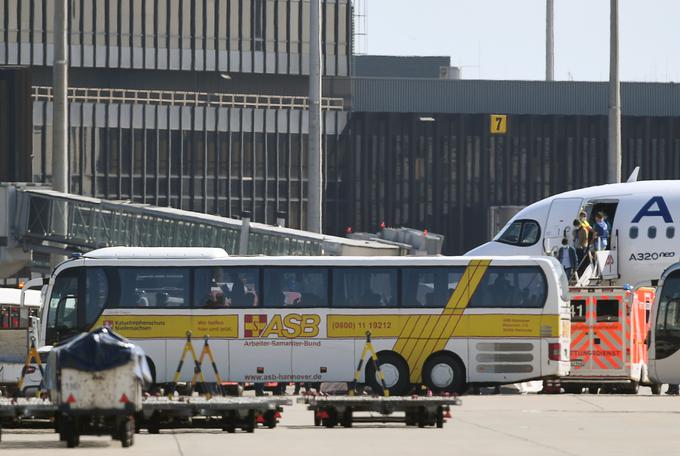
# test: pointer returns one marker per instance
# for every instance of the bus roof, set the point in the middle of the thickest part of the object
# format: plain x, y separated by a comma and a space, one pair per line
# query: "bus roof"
206, 257
157, 252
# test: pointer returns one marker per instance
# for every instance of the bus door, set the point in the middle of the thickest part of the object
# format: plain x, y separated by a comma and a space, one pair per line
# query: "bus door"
664, 350
62, 307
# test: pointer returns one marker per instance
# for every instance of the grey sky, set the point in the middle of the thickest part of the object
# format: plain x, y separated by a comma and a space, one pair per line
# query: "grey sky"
505, 39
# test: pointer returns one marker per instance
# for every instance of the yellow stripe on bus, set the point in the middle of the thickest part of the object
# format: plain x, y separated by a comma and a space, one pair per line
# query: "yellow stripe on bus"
423, 341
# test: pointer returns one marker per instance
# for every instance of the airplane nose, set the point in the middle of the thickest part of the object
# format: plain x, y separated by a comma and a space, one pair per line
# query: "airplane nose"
481, 250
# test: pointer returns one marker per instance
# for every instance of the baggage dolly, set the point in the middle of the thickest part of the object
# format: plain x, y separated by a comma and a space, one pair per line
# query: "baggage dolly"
13, 411
226, 413
421, 411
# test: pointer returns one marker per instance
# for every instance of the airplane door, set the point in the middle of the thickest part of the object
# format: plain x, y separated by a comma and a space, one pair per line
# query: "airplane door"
561, 217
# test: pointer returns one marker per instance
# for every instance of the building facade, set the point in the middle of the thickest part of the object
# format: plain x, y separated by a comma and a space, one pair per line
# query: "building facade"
202, 105
423, 153
195, 104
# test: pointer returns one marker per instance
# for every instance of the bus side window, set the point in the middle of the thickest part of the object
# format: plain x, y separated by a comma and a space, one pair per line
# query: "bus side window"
607, 310
166, 287
511, 287
296, 287
364, 287
428, 287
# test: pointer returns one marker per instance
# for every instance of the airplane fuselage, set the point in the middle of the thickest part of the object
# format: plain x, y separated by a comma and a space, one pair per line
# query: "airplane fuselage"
642, 218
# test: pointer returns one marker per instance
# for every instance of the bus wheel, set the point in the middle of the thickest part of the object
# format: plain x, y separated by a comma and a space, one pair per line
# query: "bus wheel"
444, 373
394, 370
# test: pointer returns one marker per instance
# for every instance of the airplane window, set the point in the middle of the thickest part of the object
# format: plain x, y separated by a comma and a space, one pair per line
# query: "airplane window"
511, 234
651, 232
530, 233
521, 232
670, 232
633, 232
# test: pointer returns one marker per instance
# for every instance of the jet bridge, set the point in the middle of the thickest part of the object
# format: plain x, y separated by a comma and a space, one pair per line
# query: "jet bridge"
35, 219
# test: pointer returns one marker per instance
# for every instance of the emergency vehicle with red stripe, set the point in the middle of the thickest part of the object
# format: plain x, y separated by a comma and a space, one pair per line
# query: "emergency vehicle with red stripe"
609, 327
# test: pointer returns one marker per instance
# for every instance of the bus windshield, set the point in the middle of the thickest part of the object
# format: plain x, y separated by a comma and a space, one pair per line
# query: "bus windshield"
667, 339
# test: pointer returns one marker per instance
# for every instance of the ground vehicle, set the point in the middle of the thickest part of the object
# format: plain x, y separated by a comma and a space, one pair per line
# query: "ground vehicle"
442, 321
609, 328
664, 349
14, 320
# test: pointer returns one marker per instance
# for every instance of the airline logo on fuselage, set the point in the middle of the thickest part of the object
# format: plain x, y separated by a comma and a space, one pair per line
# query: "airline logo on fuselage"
655, 207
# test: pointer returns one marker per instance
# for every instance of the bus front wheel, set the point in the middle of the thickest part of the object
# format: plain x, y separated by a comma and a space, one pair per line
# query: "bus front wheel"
444, 373
394, 370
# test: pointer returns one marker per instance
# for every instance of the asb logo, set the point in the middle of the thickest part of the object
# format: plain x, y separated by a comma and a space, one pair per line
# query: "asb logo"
287, 326
655, 207
253, 325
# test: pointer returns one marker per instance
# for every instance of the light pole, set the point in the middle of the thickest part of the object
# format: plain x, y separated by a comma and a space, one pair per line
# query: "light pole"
549, 40
314, 169
614, 151
59, 101
60, 123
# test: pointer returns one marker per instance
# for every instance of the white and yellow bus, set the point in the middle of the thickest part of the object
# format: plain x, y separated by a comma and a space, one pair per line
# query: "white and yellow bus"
441, 321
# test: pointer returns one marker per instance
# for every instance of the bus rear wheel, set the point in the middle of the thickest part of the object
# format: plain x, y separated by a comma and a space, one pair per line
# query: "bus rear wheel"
395, 372
444, 373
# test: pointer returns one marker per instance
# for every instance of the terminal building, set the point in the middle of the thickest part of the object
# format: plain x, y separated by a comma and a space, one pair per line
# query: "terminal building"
201, 106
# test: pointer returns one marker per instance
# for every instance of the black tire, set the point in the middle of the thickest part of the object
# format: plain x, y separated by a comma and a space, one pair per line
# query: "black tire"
269, 419
572, 389
386, 358
656, 389
457, 383
347, 418
332, 419
593, 389
440, 417
633, 387
250, 423
422, 417
127, 432
72, 432
153, 424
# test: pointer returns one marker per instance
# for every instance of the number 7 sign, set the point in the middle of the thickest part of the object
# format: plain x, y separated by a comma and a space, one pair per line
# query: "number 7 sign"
498, 124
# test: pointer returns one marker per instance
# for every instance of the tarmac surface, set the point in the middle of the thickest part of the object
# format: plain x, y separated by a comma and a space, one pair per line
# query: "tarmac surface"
526, 425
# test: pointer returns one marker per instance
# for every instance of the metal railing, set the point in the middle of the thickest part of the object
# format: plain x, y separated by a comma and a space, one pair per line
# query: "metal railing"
184, 98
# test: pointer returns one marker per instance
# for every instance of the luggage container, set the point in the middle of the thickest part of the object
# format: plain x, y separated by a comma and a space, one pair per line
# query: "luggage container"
95, 381
609, 327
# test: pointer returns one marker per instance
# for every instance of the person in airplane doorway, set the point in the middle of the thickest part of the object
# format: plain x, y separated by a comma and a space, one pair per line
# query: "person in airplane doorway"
580, 241
601, 230
583, 218
567, 257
